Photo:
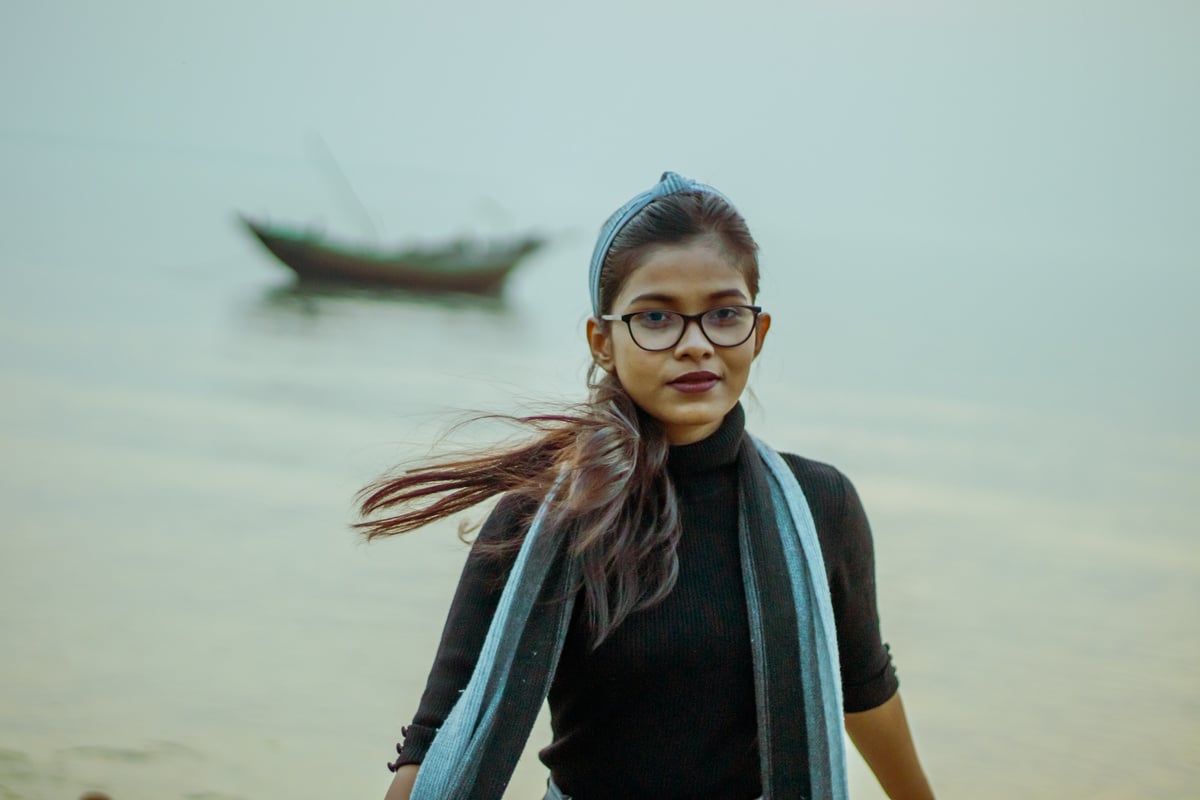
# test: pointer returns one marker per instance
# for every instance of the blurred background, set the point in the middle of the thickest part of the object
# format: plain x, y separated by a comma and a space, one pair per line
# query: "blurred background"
980, 244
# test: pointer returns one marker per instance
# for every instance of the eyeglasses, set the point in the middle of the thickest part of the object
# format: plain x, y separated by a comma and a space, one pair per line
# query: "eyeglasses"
727, 326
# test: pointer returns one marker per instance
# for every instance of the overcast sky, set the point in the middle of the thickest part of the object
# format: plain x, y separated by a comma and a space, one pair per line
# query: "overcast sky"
1029, 164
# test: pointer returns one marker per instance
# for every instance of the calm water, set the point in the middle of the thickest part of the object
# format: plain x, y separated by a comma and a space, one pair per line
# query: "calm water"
983, 279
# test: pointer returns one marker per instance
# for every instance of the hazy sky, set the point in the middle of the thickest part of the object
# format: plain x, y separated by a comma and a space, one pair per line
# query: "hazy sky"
1077, 120
1028, 165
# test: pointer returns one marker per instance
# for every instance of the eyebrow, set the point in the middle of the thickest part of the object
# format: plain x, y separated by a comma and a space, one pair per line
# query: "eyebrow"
659, 297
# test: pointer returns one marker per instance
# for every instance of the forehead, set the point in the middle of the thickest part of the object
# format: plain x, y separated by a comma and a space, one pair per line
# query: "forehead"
687, 274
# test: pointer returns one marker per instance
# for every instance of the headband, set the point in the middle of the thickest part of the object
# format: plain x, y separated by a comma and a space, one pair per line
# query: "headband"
669, 183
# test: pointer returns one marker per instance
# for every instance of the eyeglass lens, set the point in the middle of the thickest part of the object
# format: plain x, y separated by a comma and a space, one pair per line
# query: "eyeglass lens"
659, 330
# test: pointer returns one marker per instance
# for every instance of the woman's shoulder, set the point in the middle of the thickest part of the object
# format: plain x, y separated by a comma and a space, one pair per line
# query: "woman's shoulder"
495, 545
821, 482
508, 519
841, 521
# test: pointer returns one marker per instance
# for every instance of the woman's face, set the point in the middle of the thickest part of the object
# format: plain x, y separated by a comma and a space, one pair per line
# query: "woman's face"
690, 388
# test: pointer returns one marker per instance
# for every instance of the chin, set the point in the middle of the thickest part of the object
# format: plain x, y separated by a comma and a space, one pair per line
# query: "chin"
694, 418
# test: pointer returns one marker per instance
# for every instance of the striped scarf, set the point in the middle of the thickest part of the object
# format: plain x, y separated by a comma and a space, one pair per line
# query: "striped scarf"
793, 644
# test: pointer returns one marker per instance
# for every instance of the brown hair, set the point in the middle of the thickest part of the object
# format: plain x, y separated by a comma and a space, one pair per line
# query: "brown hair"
618, 503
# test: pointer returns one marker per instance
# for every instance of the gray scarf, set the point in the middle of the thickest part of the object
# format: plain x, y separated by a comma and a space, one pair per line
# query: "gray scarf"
793, 644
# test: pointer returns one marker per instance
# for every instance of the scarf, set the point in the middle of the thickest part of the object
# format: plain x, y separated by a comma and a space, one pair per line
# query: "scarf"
797, 682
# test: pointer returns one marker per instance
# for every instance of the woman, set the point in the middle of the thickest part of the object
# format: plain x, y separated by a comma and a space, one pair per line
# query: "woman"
699, 610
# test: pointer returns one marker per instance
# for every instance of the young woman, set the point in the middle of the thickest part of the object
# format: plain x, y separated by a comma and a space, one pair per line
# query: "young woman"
699, 610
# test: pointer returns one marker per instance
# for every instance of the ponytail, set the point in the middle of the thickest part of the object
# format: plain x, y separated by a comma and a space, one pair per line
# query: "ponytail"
617, 503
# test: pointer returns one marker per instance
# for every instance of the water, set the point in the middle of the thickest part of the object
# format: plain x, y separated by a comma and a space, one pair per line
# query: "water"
982, 274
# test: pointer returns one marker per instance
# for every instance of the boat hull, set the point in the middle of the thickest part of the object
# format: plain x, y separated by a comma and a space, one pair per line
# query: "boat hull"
452, 269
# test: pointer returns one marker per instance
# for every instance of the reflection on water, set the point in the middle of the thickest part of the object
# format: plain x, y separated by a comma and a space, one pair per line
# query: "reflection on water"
308, 298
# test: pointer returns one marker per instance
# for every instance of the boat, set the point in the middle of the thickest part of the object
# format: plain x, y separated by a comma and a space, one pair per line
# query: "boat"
461, 265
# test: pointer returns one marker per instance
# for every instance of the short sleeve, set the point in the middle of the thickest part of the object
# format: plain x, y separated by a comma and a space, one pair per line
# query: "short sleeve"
868, 676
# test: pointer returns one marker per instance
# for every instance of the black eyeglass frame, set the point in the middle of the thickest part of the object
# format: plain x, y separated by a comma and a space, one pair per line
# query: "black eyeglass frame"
687, 318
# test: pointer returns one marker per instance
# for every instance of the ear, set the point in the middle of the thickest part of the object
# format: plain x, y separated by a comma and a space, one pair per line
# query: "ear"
760, 333
600, 343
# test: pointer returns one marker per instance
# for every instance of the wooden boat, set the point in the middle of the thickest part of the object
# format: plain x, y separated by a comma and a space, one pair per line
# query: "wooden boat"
462, 265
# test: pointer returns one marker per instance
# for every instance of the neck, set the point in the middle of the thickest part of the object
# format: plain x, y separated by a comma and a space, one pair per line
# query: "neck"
690, 434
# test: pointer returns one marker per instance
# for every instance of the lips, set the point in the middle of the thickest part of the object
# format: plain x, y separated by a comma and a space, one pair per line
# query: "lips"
695, 381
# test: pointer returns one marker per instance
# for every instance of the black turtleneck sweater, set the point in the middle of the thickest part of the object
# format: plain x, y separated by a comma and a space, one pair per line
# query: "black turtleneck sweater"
664, 708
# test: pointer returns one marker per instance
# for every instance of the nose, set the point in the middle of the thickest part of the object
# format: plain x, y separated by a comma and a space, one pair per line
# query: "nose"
693, 342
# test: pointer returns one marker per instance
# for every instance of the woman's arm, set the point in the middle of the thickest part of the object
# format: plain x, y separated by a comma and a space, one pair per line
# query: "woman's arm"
883, 738
475, 599
402, 784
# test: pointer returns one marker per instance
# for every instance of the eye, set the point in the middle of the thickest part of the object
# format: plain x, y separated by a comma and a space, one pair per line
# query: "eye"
654, 319
726, 315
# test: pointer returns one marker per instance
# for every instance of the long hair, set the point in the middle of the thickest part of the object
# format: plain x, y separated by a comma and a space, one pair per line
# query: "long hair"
617, 503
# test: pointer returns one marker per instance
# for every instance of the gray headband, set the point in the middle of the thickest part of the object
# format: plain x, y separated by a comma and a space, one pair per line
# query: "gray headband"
670, 183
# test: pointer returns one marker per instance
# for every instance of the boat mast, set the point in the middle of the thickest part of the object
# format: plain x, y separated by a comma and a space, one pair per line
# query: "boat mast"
335, 169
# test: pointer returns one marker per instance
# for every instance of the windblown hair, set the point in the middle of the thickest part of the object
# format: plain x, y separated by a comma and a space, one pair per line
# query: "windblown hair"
617, 502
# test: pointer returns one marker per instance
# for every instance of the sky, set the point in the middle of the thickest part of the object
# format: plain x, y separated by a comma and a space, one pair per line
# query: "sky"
918, 119
1022, 175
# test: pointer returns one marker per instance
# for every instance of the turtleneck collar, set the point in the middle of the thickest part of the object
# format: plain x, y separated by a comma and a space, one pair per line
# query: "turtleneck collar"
718, 450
